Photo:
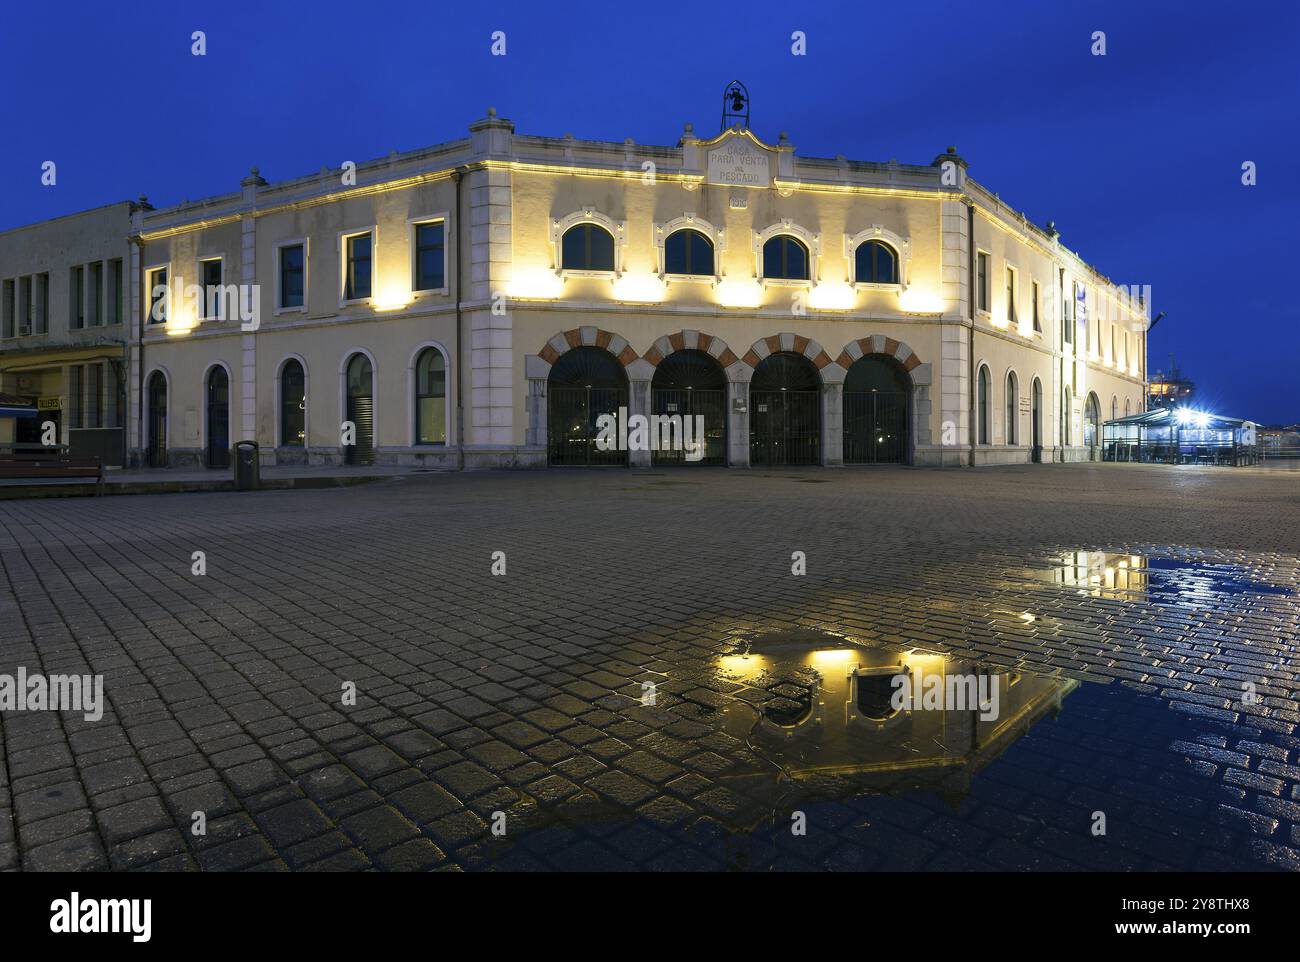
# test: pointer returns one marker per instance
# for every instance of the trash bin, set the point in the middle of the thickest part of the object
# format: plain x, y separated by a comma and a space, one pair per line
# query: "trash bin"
248, 469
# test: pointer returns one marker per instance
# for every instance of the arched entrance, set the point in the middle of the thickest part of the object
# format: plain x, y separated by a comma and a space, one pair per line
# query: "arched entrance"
1038, 421
785, 410
691, 384
583, 384
361, 410
218, 452
156, 453
876, 391
1092, 425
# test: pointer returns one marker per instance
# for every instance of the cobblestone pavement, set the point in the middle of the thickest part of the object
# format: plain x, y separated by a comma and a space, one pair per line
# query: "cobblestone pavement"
522, 694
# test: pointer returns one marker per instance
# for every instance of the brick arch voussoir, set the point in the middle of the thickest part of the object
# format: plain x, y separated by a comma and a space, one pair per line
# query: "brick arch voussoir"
564, 341
879, 344
796, 343
683, 340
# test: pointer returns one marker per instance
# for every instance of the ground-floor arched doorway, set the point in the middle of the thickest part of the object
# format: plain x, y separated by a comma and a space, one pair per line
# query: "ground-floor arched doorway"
583, 384
360, 410
1092, 425
691, 384
785, 420
156, 453
876, 392
1037, 422
218, 451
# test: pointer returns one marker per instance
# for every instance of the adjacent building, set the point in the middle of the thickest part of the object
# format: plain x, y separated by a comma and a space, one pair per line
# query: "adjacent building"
64, 312
485, 302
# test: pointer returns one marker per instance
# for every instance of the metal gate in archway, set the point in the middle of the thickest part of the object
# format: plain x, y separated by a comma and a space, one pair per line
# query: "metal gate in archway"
785, 410
218, 451
691, 384
583, 384
876, 391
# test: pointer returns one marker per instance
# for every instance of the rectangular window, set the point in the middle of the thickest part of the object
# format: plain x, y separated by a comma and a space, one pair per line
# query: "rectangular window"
1038, 323
25, 305
95, 396
7, 310
1114, 355
213, 308
1011, 295
292, 263
75, 395
430, 254
982, 281
95, 294
158, 296
41, 314
356, 281
112, 396
115, 292
1081, 313
1067, 318
77, 298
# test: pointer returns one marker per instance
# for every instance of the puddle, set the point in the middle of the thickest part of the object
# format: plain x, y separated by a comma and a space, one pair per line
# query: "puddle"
812, 702
1130, 577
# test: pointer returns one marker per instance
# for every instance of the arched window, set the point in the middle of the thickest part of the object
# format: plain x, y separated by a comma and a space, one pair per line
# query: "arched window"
218, 452
1114, 407
1091, 421
786, 258
1128, 407
431, 397
1013, 408
982, 408
1036, 417
587, 247
360, 410
688, 252
293, 405
875, 263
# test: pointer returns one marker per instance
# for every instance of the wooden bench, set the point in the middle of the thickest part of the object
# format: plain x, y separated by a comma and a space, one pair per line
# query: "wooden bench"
52, 466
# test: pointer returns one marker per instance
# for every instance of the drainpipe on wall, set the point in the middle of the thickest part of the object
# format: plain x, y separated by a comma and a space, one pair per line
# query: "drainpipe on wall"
970, 334
456, 176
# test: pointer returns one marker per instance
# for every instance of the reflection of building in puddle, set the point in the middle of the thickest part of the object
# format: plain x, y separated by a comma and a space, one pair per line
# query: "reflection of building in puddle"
1130, 577
813, 704
1102, 574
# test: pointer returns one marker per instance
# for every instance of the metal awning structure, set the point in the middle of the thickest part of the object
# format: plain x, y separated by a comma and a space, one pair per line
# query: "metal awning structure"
1180, 436
12, 406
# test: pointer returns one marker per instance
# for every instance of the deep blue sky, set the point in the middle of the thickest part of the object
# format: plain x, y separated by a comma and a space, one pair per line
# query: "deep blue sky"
1136, 155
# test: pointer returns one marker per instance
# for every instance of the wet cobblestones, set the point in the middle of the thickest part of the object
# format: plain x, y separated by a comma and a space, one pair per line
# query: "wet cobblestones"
522, 694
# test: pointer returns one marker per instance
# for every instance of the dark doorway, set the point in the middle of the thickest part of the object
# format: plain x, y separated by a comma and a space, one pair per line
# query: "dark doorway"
584, 384
688, 384
156, 453
785, 412
876, 393
218, 454
361, 411
1037, 418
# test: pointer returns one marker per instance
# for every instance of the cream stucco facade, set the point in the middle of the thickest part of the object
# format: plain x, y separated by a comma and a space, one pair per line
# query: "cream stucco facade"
508, 310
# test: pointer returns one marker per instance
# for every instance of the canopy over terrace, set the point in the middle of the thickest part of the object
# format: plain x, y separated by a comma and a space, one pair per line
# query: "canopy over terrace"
1180, 436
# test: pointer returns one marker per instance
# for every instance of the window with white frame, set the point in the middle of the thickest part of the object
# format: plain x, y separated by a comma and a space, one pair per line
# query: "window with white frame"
429, 254
358, 265
210, 277
588, 243
158, 295
291, 276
